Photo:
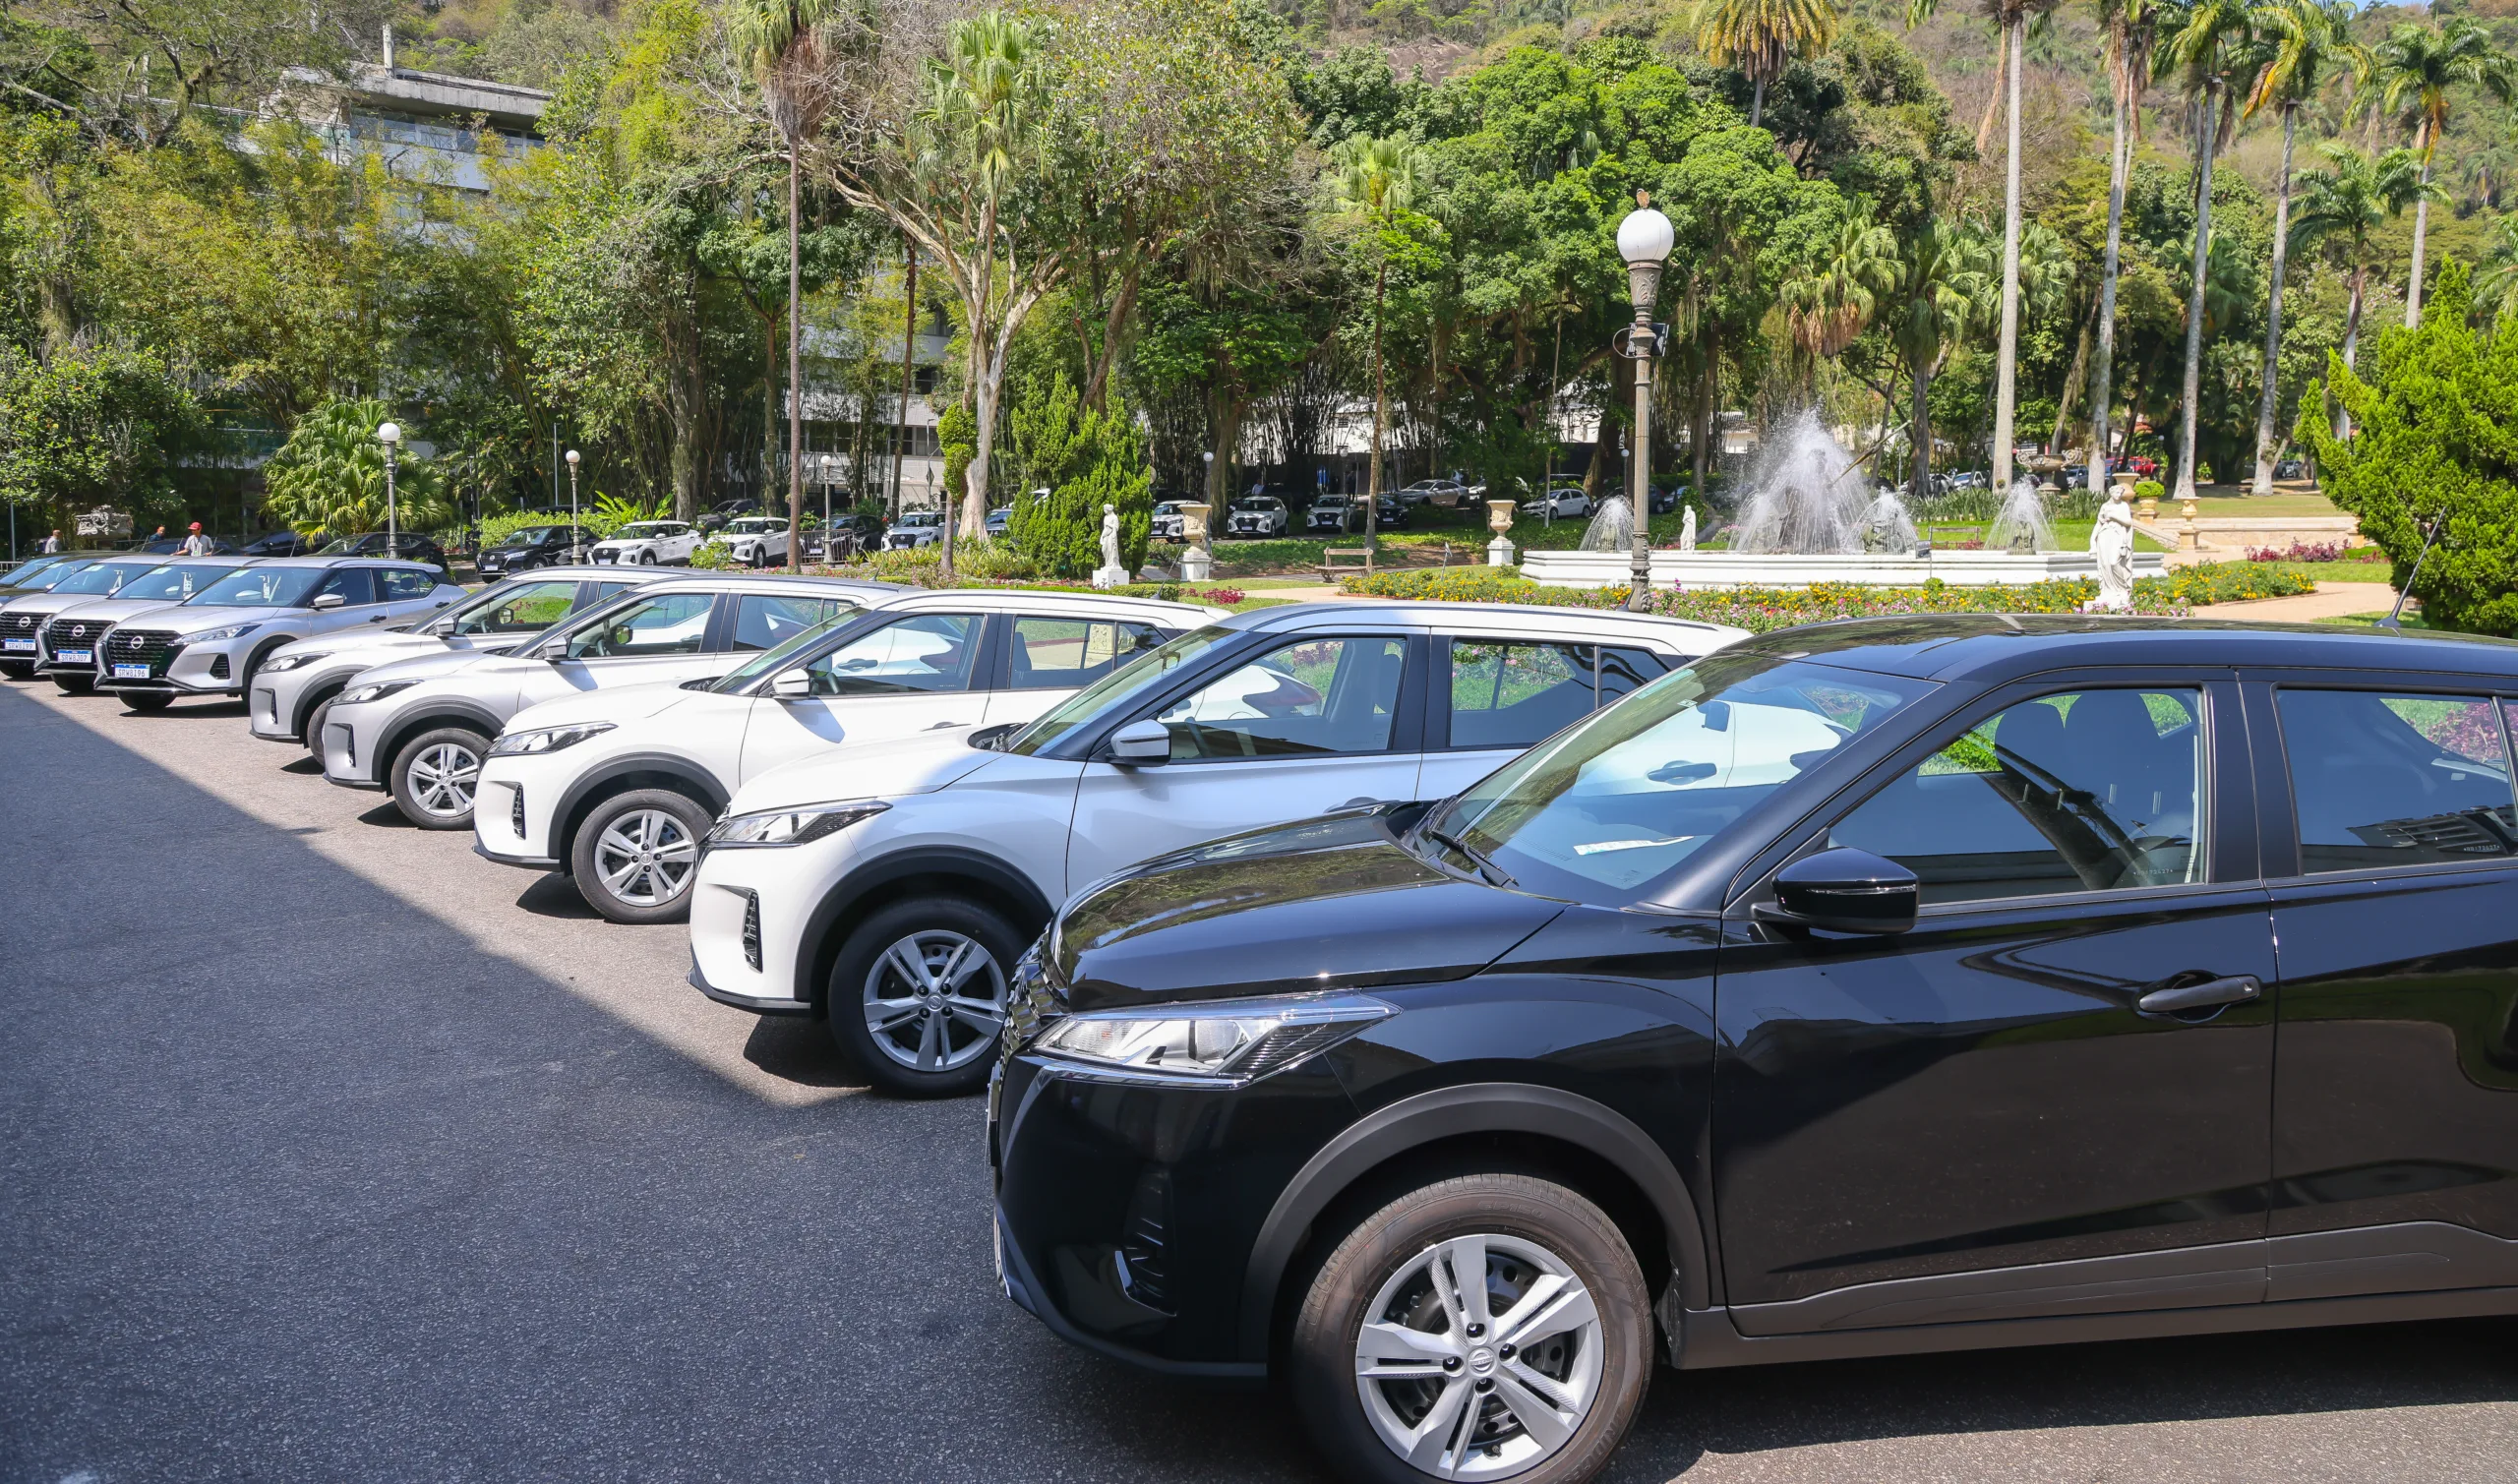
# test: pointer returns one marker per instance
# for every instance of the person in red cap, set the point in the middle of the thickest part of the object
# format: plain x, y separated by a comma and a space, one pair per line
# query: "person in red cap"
197, 544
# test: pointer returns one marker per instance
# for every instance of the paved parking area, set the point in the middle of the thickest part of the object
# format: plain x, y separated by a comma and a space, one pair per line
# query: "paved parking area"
330, 1151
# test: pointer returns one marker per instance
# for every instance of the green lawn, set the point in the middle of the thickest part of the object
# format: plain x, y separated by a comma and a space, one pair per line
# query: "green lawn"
2252, 507
2412, 619
2347, 572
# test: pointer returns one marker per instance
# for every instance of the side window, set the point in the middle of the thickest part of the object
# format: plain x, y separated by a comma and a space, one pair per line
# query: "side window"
2396, 780
923, 653
669, 624
355, 584
1065, 654
2083, 791
528, 610
403, 585
1314, 697
1509, 693
765, 620
603, 590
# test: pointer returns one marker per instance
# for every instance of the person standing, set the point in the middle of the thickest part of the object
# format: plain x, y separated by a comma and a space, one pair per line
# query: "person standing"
52, 543
197, 544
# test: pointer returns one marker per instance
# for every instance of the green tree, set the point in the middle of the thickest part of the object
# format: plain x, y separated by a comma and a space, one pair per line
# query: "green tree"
1761, 37
2131, 29
92, 426
2496, 286
1085, 460
2340, 208
329, 476
1941, 293
2416, 68
1373, 182
2205, 44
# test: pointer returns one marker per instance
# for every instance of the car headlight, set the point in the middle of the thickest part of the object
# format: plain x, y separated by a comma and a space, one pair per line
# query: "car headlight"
546, 739
231, 632
292, 662
797, 827
1228, 1043
375, 690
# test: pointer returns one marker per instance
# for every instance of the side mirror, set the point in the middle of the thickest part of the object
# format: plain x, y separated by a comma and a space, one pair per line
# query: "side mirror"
791, 685
1846, 890
328, 600
1141, 744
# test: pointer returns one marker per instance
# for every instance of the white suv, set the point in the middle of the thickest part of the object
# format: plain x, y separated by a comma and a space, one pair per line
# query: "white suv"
421, 727
299, 680
617, 788
650, 543
756, 540
890, 888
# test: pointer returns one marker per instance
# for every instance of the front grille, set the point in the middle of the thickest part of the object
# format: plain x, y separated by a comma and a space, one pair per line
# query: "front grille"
20, 626
515, 813
752, 929
219, 667
1031, 998
77, 634
152, 647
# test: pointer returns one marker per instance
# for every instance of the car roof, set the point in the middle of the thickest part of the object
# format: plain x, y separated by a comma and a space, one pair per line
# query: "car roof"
1520, 617
341, 559
586, 571
1990, 648
1048, 604
766, 584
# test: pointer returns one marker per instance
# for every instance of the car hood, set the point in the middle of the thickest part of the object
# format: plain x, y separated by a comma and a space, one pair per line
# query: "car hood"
905, 766
1332, 902
431, 665
628, 703
107, 609
384, 646
185, 619
47, 604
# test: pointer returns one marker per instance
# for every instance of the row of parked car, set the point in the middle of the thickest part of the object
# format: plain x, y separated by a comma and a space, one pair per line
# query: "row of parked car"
1454, 1009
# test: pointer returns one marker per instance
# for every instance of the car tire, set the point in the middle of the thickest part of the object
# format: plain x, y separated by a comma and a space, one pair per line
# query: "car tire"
635, 854
73, 684
1364, 1404
313, 734
930, 1042
433, 775
148, 703
646, 559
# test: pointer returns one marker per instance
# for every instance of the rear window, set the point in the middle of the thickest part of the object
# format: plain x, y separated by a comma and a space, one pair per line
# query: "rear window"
2381, 778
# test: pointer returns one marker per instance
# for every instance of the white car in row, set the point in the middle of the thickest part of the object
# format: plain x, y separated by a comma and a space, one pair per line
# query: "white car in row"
889, 888
756, 540
652, 542
420, 727
618, 787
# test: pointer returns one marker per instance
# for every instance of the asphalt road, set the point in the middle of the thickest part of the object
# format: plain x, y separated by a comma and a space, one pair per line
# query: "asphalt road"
330, 1151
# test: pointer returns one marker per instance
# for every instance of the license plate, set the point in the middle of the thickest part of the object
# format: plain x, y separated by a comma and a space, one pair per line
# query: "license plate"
75, 656
130, 672
14, 646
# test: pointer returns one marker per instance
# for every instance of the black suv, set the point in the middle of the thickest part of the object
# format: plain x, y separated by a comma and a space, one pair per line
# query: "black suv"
1890, 986
407, 546
535, 545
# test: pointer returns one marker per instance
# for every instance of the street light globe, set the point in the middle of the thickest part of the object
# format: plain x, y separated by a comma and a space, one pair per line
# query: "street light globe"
1646, 236
572, 459
389, 433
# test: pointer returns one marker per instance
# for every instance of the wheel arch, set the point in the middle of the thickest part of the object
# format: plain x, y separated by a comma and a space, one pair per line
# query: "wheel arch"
928, 871
441, 713
634, 770
1568, 1137
316, 695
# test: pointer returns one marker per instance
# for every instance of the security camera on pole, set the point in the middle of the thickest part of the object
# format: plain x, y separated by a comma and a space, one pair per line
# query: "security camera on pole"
575, 534
390, 434
1644, 239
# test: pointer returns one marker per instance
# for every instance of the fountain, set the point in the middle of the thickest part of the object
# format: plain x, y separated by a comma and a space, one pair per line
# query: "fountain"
1612, 528
2020, 526
1808, 496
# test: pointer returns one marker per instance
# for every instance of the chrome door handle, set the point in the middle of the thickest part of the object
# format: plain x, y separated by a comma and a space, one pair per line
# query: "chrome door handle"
2237, 990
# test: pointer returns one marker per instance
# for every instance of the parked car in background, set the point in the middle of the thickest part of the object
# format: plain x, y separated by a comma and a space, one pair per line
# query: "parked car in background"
1336, 513
2291, 468
37, 573
419, 728
283, 544
1271, 715
72, 642
1167, 524
717, 516
1969, 479
531, 547
295, 685
914, 529
1256, 516
211, 643
23, 617
1561, 503
756, 540
168, 546
997, 521
622, 807
401, 546
844, 538
648, 543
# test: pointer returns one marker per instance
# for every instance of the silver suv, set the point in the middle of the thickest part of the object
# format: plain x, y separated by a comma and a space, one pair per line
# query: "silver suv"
298, 681
212, 642
70, 645
420, 727
22, 618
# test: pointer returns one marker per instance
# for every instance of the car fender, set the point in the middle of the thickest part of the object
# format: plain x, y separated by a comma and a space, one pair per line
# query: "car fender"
599, 783
1477, 1108
438, 711
879, 871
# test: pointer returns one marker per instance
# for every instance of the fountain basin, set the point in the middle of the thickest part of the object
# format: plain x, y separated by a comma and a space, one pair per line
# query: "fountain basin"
1701, 570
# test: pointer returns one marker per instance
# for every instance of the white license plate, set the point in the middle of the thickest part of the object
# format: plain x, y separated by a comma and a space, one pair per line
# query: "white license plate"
75, 656
14, 646
130, 672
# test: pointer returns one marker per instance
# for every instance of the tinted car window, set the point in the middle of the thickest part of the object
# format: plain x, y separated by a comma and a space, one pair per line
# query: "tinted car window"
765, 620
926, 652
527, 608
356, 586
2396, 780
1059, 654
1313, 697
262, 588
2086, 791
403, 585
667, 624
1514, 692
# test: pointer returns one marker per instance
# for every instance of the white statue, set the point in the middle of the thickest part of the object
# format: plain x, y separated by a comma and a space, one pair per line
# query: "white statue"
1687, 530
1111, 573
2111, 541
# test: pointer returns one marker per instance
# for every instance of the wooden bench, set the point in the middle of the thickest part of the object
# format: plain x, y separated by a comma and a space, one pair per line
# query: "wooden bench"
1330, 557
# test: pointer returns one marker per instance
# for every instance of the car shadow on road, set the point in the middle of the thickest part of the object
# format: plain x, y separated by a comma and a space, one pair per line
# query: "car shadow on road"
554, 894
305, 767
801, 1051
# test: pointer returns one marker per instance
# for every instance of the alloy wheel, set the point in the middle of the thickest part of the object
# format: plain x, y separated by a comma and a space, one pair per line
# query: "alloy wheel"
1479, 1357
442, 779
935, 1000
646, 857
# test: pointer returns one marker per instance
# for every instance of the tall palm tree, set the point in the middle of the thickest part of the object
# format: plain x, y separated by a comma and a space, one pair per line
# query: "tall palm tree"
2131, 30
1374, 180
785, 42
1940, 294
2341, 206
1833, 298
2305, 40
2012, 16
2206, 44
1760, 37
2416, 68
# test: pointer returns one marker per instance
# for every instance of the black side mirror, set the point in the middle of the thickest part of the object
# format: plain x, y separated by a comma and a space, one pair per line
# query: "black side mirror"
1846, 890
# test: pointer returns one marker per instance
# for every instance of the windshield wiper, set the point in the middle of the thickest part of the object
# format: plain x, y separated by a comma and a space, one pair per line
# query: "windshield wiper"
1494, 874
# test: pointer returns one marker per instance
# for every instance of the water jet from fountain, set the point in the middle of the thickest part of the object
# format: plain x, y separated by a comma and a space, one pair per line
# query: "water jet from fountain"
1810, 498
2021, 524
1612, 529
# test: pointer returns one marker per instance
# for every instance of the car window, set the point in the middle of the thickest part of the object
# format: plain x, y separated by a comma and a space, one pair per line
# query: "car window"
2397, 780
1059, 654
765, 620
1509, 693
262, 588
1310, 697
356, 586
667, 624
104, 579
924, 652
527, 608
173, 584
2082, 791
402, 584
603, 590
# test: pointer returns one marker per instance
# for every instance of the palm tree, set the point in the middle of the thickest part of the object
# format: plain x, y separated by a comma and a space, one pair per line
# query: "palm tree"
786, 42
2012, 17
2341, 206
2496, 286
1835, 297
1939, 293
2416, 68
1760, 37
2205, 44
2130, 33
2305, 38
1375, 181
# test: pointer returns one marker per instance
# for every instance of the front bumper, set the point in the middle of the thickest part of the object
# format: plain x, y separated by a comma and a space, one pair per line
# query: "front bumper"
516, 808
186, 670
345, 747
749, 911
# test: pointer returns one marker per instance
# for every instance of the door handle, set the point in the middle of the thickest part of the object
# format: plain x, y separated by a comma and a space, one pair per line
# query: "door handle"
2209, 994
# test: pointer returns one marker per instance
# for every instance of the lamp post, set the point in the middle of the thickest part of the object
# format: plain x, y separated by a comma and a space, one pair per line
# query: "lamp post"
1644, 239
829, 467
390, 434
1207, 492
574, 532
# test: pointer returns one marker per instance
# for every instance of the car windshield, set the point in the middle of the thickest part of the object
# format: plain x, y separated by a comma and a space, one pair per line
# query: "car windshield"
647, 530
262, 588
53, 576
515, 607
104, 577
25, 571
1605, 809
1255, 502
1120, 688
757, 525
173, 583
923, 517
531, 535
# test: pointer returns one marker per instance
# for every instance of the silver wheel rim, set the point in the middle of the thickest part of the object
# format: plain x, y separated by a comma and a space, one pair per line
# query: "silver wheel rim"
935, 1000
1434, 1334
645, 857
442, 780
